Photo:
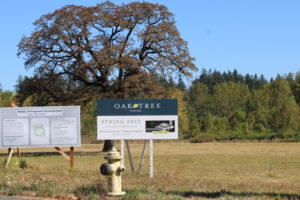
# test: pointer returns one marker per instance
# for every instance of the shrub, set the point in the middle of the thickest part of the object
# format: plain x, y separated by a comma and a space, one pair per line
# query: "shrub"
23, 164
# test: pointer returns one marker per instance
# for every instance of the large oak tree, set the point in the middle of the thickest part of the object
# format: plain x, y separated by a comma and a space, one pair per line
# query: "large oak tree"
111, 49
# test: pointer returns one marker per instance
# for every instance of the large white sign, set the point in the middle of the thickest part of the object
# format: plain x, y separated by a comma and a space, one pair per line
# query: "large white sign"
40, 126
137, 119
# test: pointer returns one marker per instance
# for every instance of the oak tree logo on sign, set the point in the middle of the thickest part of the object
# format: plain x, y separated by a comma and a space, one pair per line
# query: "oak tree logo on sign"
137, 107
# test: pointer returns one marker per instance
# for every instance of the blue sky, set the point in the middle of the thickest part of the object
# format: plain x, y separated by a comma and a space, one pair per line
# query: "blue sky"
252, 36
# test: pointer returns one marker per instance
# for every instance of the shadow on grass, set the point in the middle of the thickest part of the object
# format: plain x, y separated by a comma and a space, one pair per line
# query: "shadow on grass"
223, 193
91, 191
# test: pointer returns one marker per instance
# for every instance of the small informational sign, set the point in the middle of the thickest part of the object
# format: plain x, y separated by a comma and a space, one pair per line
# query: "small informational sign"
40, 126
133, 119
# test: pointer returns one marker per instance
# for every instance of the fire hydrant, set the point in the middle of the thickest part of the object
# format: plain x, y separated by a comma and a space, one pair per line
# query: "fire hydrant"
113, 170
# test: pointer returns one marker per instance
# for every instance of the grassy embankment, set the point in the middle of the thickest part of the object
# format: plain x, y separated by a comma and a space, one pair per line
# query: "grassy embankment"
181, 170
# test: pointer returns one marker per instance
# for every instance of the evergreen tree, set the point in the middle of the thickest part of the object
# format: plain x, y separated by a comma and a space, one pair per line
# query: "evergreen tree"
203, 78
249, 82
235, 76
262, 80
229, 76
181, 85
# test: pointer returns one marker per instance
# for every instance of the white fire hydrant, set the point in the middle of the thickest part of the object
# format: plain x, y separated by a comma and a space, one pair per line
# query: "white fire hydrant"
113, 170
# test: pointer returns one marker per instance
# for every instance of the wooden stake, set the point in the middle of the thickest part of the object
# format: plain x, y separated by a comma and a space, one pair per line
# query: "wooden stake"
71, 156
60, 151
10, 152
19, 153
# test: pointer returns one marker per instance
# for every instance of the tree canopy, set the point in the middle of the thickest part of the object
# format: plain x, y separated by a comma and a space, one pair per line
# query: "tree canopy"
108, 48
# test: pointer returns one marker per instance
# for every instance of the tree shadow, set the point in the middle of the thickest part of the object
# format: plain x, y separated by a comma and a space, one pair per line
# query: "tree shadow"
222, 193
91, 191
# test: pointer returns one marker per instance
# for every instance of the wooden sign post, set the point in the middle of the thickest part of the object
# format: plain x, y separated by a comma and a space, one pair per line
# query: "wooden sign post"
65, 156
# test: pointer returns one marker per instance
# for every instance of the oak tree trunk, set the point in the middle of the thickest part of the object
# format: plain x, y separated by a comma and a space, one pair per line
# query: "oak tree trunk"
108, 145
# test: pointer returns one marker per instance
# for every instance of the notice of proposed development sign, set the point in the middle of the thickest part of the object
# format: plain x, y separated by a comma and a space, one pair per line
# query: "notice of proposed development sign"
129, 119
40, 126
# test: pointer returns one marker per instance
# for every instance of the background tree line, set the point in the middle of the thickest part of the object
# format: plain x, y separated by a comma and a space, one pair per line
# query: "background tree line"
228, 105
216, 106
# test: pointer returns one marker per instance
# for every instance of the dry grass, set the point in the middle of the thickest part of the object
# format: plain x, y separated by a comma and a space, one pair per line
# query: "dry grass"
181, 171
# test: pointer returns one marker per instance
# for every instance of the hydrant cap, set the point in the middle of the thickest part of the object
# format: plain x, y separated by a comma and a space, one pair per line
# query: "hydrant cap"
113, 155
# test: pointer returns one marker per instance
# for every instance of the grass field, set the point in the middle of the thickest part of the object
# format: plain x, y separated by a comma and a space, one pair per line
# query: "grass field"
181, 171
